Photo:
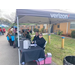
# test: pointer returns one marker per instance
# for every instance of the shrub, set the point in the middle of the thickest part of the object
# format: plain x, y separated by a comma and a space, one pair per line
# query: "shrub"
36, 30
73, 34
69, 35
42, 30
59, 32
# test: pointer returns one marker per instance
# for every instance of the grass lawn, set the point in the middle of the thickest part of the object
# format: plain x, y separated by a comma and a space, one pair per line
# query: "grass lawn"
58, 54
55, 48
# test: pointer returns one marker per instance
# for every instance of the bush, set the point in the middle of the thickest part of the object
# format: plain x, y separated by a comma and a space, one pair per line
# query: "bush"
36, 30
42, 30
73, 34
69, 35
59, 32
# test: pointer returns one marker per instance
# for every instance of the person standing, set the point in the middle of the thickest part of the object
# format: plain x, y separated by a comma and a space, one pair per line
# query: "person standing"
0, 31
4, 30
9, 29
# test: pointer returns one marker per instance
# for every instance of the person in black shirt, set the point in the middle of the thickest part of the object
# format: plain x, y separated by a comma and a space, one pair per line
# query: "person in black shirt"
41, 41
36, 37
26, 35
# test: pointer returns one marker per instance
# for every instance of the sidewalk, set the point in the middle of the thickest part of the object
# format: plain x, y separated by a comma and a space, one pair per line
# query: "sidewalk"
8, 55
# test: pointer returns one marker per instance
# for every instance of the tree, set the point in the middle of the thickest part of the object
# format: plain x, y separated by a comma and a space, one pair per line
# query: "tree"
5, 21
11, 17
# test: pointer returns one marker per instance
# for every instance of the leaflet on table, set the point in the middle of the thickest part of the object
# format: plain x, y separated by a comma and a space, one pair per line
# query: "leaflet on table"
33, 44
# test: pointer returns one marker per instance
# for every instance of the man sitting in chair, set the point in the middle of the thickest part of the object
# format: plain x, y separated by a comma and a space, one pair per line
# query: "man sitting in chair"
41, 41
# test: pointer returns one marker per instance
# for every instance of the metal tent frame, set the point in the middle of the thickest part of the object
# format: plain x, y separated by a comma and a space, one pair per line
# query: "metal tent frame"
42, 16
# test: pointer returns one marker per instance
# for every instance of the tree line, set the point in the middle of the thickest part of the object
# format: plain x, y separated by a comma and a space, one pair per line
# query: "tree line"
5, 21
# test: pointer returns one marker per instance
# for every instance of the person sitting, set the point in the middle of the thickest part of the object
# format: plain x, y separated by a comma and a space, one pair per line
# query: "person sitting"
31, 31
26, 35
41, 41
36, 37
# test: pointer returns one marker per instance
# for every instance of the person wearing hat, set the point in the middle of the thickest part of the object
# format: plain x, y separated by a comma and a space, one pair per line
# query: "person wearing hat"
26, 35
41, 41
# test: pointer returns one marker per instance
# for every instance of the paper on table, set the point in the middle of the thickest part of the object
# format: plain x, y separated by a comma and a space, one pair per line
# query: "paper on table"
33, 44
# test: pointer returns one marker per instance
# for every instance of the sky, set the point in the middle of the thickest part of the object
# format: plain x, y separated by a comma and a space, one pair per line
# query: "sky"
9, 11
70, 10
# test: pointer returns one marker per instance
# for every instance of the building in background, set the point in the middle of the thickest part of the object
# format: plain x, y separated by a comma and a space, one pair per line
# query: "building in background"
67, 28
40, 27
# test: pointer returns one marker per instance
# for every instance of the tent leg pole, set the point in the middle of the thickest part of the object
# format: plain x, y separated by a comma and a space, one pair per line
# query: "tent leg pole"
67, 29
18, 39
48, 33
32, 29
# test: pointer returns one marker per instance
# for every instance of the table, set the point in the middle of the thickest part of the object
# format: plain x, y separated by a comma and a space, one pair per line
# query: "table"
34, 53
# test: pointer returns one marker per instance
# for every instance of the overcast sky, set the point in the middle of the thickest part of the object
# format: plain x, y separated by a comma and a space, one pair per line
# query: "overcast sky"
8, 11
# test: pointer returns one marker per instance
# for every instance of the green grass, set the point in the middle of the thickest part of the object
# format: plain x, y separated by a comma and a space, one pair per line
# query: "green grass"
58, 54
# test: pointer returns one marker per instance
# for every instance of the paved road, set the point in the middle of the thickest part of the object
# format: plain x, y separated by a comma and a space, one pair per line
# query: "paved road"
9, 55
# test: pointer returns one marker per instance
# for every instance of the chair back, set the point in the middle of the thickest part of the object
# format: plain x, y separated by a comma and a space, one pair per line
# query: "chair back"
45, 45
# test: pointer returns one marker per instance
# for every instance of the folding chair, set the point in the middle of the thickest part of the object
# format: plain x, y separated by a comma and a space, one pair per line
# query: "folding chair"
45, 45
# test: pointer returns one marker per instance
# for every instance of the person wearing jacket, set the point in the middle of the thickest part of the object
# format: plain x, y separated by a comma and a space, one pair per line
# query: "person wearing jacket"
4, 30
36, 37
9, 34
0, 31
26, 35
41, 41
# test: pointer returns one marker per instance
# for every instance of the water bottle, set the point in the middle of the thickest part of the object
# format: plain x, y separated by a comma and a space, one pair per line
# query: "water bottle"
23, 63
35, 43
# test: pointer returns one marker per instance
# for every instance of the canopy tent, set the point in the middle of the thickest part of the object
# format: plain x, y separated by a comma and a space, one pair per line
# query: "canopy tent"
4, 25
42, 16
1, 26
15, 26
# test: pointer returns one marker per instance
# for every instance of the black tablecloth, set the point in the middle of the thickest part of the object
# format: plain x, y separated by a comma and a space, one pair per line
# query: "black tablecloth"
32, 54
